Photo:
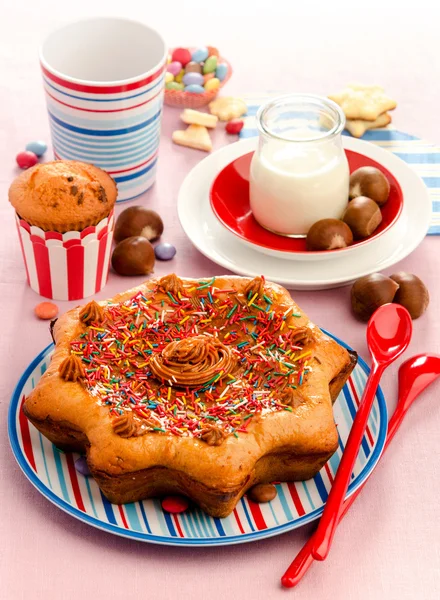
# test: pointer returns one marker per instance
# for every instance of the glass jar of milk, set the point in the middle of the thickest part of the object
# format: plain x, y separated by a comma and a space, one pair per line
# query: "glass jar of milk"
299, 172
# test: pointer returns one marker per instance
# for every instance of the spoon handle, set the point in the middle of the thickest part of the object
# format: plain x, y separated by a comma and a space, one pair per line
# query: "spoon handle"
332, 511
304, 559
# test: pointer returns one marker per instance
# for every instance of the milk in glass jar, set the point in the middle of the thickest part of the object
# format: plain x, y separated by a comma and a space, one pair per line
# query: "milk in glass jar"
299, 172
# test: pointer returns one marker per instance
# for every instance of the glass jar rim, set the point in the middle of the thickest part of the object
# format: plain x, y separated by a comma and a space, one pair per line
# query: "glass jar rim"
315, 99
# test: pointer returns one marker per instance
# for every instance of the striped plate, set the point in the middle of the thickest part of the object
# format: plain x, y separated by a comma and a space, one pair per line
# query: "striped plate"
53, 473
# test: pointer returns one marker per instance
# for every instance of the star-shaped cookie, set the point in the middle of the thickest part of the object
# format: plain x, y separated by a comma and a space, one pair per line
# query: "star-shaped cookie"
228, 108
364, 102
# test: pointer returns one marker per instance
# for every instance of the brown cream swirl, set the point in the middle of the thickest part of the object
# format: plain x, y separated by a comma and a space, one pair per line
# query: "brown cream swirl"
255, 286
302, 336
290, 397
171, 283
192, 361
71, 369
213, 436
127, 425
91, 313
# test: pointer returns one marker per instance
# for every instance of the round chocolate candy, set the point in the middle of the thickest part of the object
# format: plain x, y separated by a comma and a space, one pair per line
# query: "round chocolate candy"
200, 55
46, 310
38, 147
175, 504
182, 55
82, 467
193, 67
221, 71
234, 126
263, 492
165, 251
194, 89
26, 159
133, 256
174, 67
193, 78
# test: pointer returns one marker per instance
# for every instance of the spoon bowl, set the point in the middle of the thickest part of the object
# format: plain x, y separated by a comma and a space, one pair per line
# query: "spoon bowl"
388, 333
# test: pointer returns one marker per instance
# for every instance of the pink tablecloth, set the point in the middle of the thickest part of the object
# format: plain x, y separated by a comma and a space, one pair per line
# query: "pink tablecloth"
388, 547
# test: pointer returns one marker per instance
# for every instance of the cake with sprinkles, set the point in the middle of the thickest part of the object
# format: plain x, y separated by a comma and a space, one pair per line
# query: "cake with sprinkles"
200, 387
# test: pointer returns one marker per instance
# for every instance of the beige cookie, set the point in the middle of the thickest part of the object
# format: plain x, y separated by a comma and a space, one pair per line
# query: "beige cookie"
357, 127
195, 117
365, 102
195, 136
228, 108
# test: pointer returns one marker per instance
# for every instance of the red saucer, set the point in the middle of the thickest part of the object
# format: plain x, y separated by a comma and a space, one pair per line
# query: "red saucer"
230, 202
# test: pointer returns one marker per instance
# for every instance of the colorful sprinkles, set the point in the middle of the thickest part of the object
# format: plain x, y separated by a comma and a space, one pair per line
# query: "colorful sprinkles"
116, 353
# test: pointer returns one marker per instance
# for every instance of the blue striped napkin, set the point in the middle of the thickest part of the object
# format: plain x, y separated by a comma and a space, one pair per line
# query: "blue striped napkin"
420, 155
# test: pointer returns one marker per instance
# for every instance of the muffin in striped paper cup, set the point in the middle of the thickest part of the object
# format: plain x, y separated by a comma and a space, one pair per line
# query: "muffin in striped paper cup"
65, 221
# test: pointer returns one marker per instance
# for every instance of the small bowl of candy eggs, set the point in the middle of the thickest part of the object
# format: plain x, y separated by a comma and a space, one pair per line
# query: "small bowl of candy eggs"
194, 76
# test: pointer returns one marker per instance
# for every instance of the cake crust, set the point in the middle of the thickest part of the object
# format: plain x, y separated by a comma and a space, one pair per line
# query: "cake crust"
278, 445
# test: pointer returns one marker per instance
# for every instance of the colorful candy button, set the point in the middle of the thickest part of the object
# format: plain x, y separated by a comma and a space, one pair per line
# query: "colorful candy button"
193, 78
194, 89
210, 64
169, 77
193, 67
200, 55
26, 159
38, 147
212, 51
221, 71
46, 310
165, 251
234, 126
174, 67
82, 467
175, 504
182, 55
179, 77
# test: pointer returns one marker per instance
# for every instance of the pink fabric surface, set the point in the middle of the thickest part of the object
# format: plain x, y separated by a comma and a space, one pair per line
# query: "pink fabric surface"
388, 546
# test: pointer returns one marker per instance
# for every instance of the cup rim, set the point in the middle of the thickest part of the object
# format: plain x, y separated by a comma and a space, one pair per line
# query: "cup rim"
111, 83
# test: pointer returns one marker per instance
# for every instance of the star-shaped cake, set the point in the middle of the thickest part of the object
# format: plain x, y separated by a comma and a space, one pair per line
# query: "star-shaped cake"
196, 387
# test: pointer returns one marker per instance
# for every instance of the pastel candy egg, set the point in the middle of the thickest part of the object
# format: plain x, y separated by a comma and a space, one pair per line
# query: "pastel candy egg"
39, 147
212, 51
179, 77
165, 251
174, 67
193, 78
200, 54
169, 77
208, 76
210, 64
212, 84
221, 71
174, 85
193, 67
194, 88
82, 467
182, 55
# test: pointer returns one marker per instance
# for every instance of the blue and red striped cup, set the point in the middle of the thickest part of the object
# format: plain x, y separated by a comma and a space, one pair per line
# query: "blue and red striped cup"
104, 82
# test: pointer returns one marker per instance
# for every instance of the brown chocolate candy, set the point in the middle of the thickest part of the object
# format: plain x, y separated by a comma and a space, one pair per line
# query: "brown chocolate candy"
193, 67
263, 492
133, 256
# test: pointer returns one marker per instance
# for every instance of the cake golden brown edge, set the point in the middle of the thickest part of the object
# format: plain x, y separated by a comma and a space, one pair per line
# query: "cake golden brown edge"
281, 446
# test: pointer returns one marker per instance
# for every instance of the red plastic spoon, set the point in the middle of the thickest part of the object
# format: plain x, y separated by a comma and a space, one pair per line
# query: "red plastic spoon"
388, 335
415, 375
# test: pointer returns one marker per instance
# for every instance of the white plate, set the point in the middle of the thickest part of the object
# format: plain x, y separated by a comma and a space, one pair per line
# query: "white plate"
221, 246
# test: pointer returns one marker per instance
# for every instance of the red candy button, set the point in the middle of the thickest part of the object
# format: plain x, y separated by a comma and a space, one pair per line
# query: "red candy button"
175, 504
182, 55
26, 159
234, 125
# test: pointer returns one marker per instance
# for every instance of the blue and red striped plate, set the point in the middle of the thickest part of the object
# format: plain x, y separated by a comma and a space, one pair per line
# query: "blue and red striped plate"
53, 473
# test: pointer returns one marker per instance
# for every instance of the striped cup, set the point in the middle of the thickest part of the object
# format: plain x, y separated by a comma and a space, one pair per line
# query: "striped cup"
104, 82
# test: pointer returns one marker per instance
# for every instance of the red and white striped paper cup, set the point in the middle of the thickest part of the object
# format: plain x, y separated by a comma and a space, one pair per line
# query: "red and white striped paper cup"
67, 266
104, 83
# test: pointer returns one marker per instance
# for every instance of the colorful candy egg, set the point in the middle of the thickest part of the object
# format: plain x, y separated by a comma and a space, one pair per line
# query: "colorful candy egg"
194, 89
221, 71
193, 78
234, 126
212, 51
179, 77
208, 76
193, 67
212, 84
210, 64
174, 85
182, 55
200, 54
38, 147
174, 67
27, 159
169, 77
165, 251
